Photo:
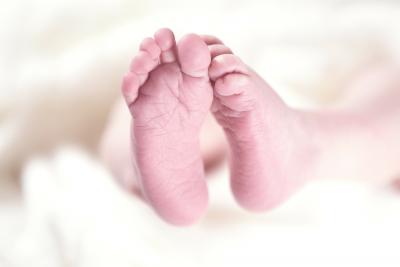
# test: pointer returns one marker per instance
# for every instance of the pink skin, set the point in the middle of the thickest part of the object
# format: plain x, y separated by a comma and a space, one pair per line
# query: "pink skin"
253, 116
264, 134
274, 149
169, 95
115, 147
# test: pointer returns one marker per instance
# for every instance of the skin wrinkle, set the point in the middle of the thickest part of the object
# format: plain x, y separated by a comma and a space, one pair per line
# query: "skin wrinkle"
274, 149
172, 183
168, 114
259, 126
141, 95
249, 135
171, 116
175, 93
182, 102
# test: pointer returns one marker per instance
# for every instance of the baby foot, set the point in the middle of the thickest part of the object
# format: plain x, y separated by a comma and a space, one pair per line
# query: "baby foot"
169, 94
268, 156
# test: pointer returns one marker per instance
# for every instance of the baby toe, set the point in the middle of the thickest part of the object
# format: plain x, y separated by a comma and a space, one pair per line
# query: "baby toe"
165, 39
143, 63
150, 46
219, 49
194, 56
225, 64
231, 84
210, 39
130, 87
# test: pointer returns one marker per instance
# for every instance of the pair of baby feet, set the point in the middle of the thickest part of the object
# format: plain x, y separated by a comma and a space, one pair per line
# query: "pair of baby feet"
169, 89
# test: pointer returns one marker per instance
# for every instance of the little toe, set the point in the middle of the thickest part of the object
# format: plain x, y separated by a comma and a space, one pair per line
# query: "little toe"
194, 56
150, 46
143, 63
224, 64
165, 39
211, 40
219, 49
130, 87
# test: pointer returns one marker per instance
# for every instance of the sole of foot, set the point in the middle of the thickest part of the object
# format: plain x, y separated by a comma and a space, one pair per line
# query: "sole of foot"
169, 94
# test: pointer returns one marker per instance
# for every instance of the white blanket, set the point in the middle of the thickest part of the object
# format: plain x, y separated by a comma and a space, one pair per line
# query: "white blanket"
77, 216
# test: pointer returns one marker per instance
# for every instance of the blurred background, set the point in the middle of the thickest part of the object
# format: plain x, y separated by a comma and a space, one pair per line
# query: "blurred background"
61, 67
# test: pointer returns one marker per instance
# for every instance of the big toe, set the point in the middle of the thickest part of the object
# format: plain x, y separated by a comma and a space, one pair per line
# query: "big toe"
194, 56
